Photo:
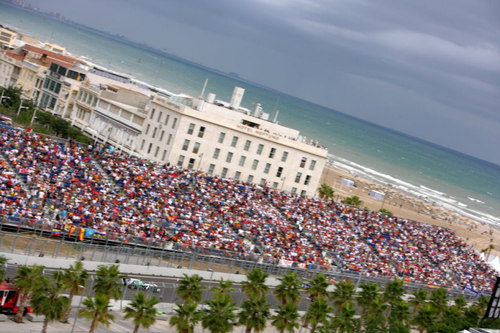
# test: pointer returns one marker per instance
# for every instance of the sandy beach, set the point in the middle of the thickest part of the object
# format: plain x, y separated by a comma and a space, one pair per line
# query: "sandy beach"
400, 204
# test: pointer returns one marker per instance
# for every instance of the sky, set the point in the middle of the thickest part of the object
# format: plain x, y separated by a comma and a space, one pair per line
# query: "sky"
427, 68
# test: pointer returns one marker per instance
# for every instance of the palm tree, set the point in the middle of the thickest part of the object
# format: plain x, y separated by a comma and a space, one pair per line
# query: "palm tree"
425, 318
142, 310
47, 299
318, 313
108, 282
286, 318
418, 298
488, 250
190, 288
318, 284
460, 303
97, 310
353, 201
394, 291
344, 320
3, 261
344, 292
325, 191
288, 291
255, 285
75, 278
399, 320
224, 287
439, 300
369, 291
220, 316
374, 319
186, 317
26, 281
254, 314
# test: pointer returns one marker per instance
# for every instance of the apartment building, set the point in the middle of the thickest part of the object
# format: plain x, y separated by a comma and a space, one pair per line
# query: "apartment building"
7, 36
230, 143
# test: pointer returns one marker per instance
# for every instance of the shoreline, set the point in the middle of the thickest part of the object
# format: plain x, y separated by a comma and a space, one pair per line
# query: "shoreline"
476, 234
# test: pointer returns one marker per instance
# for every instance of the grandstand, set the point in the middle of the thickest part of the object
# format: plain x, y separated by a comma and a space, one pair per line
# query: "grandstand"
132, 198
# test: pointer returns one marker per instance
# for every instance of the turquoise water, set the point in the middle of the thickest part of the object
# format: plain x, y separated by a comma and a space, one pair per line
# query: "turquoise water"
452, 179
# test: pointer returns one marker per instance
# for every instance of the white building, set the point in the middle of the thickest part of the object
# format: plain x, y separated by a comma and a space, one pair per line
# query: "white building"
230, 144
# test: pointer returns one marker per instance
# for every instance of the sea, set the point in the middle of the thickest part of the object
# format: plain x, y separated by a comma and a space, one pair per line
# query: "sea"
443, 177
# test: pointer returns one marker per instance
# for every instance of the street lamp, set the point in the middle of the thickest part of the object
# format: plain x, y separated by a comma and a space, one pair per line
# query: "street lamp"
21, 107
2, 97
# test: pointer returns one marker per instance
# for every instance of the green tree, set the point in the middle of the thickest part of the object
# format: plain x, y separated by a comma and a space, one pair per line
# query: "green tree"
255, 285
417, 299
254, 314
318, 284
190, 288
368, 293
142, 310
27, 280
439, 301
186, 317
97, 310
374, 319
394, 291
325, 191
344, 321
400, 318
385, 211
224, 287
219, 316
286, 318
3, 262
425, 318
108, 281
75, 279
352, 201
344, 292
318, 313
288, 291
47, 300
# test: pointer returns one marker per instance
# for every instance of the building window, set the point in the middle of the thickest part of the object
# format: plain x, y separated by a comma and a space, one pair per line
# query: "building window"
267, 167
174, 123
284, 156
272, 152
308, 179
185, 146
180, 162
166, 119
142, 144
157, 150
242, 161
229, 157
154, 132
149, 148
280, 171
222, 135
312, 165
250, 179
159, 116
275, 185
237, 175
303, 162
224, 173
201, 132
259, 149
191, 128
147, 129
297, 177
262, 182
169, 139
255, 164
211, 169
152, 114
234, 142
294, 189
247, 145
196, 147
303, 193
164, 154
191, 163
216, 153
161, 135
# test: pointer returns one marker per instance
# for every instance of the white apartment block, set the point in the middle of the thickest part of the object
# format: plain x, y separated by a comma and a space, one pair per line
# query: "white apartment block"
230, 144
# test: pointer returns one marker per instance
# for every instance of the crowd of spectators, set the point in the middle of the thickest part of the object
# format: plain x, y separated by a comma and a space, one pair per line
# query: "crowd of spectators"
133, 199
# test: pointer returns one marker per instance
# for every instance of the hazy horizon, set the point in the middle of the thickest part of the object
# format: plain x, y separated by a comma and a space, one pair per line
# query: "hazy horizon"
431, 71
